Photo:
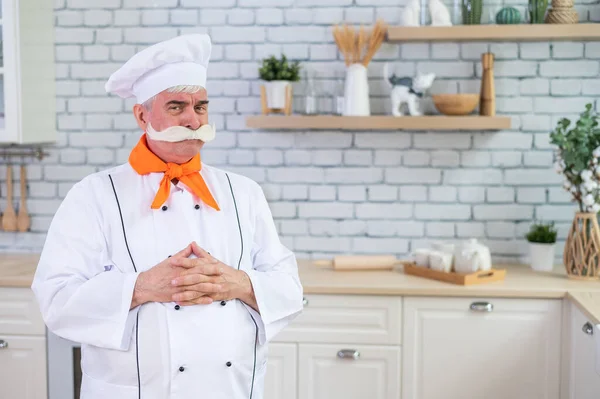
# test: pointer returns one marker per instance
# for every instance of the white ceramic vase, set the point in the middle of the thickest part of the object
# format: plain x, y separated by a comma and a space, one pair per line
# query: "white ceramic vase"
356, 91
542, 256
276, 93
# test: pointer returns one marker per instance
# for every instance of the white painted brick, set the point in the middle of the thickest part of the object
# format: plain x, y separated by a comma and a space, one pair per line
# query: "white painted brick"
96, 139
475, 158
98, 18
299, 16
503, 140
531, 177
297, 51
500, 194
502, 212
379, 245
96, 53
413, 193
353, 175
149, 35
67, 88
92, 70
592, 50
567, 50
269, 16
556, 212
504, 87
260, 3
535, 51
409, 228
251, 34
413, 175
241, 157
471, 194
413, 51
382, 193
448, 69
288, 34
362, 15
67, 53
560, 105
506, 158
443, 194
500, 229
327, 157
256, 174
384, 211
101, 122
297, 157
442, 212
321, 193
109, 35
538, 158
566, 69
269, 157
445, 158
442, 141
382, 140
40, 189
559, 195
514, 104
240, 17
388, 158
445, 51
283, 209
184, 17
470, 229
531, 195
210, 17
510, 247
323, 52
72, 156
69, 18
473, 51
474, 85
515, 68
472, 176
381, 228
505, 50
323, 140
358, 158
43, 206
334, 210
440, 229
262, 51
122, 52
565, 87
295, 192
416, 158
321, 3
594, 14
238, 52
535, 123
95, 105
391, 15
272, 191
73, 35
299, 175
352, 227
220, 70
127, 17
70, 122
294, 227
85, 4
63, 188
219, 157
327, 16
352, 193
100, 156
62, 72
155, 17
535, 86
157, 3
65, 173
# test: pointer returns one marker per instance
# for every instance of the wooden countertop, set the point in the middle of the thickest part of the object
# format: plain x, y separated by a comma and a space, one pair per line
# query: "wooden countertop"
16, 270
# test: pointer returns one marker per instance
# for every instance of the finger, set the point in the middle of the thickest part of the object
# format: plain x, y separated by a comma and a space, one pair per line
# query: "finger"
185, 262
199, 251
204, 300
207, 269
196, 291
186, 296
192, 279
186, 252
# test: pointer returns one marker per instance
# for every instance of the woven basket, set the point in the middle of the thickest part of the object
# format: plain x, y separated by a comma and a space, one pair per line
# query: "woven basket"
568, 16
562, 4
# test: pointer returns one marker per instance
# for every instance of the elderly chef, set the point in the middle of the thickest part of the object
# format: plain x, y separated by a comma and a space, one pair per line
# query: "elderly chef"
168, 271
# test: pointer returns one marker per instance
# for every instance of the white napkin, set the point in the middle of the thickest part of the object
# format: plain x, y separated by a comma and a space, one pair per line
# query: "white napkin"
597, 345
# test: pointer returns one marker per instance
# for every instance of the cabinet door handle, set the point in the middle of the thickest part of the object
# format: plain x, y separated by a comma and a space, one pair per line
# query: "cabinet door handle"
348, 354
588, 328
482, 307
304, 301
3, 344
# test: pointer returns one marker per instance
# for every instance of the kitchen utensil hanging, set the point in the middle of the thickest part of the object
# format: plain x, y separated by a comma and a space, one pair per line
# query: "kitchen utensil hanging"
9, 217
23, 219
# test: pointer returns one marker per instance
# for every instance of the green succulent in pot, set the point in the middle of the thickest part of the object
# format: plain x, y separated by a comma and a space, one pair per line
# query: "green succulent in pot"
279, 69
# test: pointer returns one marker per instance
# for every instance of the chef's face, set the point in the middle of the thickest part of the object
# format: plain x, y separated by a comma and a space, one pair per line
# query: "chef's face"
174, 109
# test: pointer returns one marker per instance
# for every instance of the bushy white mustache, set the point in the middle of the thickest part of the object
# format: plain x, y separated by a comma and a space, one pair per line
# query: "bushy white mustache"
174, 134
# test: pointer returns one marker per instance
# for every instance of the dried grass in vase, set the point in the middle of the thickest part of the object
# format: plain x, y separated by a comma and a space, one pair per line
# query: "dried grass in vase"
359, 46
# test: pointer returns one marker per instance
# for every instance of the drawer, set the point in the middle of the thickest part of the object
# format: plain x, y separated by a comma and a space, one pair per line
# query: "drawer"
338, 319
19, 312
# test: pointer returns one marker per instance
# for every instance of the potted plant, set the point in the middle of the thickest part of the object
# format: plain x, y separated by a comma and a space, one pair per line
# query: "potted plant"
542, 238
278, 75
577, 160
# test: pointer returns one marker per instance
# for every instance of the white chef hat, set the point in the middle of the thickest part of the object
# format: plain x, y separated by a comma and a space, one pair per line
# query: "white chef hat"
182, 60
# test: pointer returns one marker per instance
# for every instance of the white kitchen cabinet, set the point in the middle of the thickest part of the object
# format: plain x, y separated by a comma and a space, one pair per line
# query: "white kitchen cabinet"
584, 381
478, 348
281, 379
27, 72
327, 371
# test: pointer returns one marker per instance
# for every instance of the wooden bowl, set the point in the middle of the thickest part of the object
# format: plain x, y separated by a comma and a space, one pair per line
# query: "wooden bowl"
456, 104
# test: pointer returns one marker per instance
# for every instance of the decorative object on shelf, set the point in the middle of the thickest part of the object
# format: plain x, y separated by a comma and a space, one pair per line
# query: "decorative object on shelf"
487, 102
472, 256
562, 12
456, 104
542, 240
577, 160
479, 277
9, 217
407, 91
23, 219
440, 16
310, 94
508, 16
338, 94
471, 12
411, 15
276, 93
537, 11
358, 48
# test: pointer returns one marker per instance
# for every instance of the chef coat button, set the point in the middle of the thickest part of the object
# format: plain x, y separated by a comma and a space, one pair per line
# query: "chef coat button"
169, 256
164, 208
197, 206
181, 368
177, 307
228, 364
223, 303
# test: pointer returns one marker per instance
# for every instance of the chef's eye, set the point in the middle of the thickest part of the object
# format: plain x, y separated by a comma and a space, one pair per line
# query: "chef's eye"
201, 108
174, 108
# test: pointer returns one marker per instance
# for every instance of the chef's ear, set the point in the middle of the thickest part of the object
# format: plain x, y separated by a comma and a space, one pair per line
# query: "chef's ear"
141, 116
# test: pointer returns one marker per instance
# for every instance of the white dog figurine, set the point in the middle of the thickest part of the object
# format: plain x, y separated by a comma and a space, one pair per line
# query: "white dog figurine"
411, 14
440, 16
407, 90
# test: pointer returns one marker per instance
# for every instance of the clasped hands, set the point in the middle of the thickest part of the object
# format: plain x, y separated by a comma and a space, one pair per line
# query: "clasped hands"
192, 281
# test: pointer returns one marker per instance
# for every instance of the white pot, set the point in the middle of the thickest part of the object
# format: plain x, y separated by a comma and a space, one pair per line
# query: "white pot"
356, 91
472, 256
542, 256
276, 93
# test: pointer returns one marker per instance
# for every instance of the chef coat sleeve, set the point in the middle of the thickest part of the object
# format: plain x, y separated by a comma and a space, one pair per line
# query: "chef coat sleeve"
83, 296
274, 275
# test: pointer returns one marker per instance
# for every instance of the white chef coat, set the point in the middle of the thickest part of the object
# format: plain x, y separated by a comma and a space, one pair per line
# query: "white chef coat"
105, 233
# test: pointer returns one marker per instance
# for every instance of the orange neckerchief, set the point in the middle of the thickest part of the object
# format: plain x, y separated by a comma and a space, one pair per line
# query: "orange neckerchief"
144, 161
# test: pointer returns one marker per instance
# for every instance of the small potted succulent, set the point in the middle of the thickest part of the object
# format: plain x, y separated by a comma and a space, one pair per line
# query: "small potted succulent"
542, 239
278, 74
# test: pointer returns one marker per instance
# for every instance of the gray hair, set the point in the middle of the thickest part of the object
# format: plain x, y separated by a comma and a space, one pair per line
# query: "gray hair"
175, 89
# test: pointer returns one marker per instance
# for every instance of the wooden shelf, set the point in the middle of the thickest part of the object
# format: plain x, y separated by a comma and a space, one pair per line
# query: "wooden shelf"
521, 32
380, 122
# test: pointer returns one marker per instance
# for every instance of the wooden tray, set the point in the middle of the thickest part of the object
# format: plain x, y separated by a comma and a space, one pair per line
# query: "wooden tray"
480, 277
